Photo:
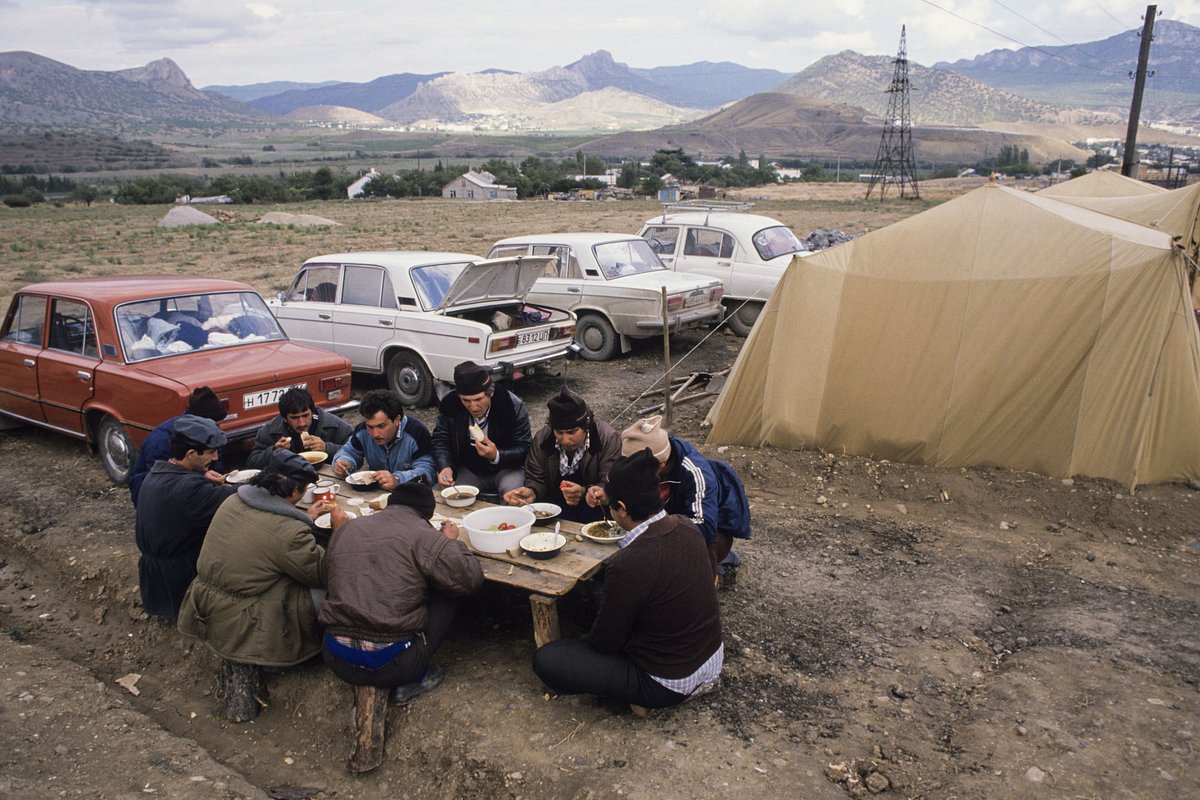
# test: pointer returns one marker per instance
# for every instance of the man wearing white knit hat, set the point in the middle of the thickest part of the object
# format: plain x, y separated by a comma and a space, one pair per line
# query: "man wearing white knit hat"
707, 491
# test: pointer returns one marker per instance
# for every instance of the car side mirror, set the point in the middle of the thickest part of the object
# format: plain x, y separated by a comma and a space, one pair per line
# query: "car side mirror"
281, 297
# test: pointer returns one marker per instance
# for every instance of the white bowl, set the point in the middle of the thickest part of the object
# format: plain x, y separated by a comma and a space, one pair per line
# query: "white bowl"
241, 475
589, 530
544, 512
323, 521
449, 494
477, 524
543, 544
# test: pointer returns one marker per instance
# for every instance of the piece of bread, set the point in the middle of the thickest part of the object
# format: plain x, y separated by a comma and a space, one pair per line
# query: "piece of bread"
476, 432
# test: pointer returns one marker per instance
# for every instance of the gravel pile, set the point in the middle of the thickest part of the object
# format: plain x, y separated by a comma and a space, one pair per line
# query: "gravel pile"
299, 220
181, 216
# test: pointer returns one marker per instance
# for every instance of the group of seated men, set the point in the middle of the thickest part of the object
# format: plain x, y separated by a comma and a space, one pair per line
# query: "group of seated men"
241, 567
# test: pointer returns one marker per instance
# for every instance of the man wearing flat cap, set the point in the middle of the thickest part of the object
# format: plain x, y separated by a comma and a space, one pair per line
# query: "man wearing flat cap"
482, 434
656, 640
569, 460
176, 503
705, 490
393, 585
157, 447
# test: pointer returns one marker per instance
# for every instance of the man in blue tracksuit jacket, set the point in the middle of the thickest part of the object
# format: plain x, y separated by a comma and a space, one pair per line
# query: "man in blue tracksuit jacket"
397, 448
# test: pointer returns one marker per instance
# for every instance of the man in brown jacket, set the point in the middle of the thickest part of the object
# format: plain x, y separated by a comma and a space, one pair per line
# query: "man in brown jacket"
569, 460
393, 583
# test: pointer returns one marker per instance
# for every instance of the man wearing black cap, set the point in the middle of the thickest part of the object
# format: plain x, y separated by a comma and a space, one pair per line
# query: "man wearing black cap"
656, 640
157, 447
393, 583
482, 435
176, 503
569, 460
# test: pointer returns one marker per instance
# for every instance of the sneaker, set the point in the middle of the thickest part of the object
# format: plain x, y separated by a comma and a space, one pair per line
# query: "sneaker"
403, 695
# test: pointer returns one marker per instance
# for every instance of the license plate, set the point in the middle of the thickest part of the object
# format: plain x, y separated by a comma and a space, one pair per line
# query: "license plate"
695, 299
268, 397
529, 337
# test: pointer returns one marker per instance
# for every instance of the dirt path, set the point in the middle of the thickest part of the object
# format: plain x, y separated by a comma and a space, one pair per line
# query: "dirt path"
929, 633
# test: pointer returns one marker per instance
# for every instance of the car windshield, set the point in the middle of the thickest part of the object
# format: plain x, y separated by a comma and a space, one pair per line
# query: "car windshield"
167, 326
777, 241
630, 257
432, 281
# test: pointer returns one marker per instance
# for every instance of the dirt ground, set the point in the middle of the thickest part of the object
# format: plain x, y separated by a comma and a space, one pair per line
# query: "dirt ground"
895, 629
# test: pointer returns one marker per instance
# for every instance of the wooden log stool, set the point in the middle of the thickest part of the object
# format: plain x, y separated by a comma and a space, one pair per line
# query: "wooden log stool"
370, 716
243, 688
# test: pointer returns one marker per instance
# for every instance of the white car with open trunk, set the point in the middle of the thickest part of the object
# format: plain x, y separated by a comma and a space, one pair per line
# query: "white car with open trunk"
413, 315
614, 283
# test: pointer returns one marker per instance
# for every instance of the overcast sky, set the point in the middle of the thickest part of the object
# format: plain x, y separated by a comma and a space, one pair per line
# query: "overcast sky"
240, 42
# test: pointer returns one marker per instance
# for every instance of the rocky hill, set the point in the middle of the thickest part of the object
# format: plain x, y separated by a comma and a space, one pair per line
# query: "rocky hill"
1095, 75
370, 96
779, 124
937, 97
39, 90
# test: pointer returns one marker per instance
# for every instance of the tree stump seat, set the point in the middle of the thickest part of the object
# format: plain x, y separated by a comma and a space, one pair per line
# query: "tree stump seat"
243, 688
370, 716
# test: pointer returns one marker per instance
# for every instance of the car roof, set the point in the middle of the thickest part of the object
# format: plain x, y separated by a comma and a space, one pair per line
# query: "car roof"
120, 288
575, 239
731, 220
394, 259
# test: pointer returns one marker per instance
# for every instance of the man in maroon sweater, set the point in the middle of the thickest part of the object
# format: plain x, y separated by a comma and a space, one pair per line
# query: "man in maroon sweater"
657, 638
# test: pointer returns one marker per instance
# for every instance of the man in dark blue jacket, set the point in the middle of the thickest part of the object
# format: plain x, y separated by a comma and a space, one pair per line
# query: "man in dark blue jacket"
157, 447
706, 491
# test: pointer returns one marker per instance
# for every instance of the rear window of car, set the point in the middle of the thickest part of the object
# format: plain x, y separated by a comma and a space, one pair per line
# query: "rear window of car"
168, 326
629, 257
432, 281
777, 241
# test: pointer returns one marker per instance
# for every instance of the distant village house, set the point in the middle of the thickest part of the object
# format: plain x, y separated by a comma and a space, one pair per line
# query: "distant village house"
478, 186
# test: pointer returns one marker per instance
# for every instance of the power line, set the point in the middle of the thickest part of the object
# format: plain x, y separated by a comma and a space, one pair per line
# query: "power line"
1053, 35
1110, 15
1011, 39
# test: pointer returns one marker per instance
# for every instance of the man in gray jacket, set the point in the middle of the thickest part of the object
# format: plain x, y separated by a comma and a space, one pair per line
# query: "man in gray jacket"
393, 583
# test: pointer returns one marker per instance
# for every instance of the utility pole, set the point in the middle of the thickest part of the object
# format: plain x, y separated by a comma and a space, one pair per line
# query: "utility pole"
1139, 85
895, 161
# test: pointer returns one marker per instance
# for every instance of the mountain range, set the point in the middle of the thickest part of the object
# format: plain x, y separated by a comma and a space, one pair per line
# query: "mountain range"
834, 106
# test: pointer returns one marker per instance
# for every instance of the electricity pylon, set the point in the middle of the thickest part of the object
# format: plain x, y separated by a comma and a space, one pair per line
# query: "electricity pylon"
896, 163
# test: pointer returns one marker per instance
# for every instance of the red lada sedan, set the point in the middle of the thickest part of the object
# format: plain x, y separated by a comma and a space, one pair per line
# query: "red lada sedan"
108, 359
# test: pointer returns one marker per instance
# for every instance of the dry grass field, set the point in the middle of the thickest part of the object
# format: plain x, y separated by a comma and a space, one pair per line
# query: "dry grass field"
910, 631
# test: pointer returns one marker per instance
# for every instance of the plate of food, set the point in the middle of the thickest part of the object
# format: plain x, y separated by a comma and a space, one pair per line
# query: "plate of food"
363, 481
604, 531
241, 475
324, 522
544, 512
314, 456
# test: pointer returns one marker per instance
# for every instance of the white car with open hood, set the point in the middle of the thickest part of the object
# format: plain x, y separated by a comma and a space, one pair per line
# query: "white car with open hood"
413, 315
614, 282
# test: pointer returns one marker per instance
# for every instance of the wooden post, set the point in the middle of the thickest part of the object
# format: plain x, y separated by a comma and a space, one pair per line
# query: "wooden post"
370, 716
545, 619
667, 406
1129, 161
244, 690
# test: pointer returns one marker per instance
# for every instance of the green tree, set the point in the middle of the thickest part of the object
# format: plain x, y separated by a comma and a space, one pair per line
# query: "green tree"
84, 193
630, 172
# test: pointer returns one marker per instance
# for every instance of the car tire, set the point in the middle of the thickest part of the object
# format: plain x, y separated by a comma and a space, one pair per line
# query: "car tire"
410, 379
740, 318
596, 338
117, 453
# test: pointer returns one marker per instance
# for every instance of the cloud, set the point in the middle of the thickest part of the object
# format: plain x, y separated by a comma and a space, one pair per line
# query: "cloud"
164, 24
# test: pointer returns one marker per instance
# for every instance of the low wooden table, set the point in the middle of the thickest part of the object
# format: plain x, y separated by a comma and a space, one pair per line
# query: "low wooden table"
545, 580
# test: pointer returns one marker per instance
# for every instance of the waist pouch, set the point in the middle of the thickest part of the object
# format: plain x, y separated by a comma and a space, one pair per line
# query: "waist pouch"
367, 659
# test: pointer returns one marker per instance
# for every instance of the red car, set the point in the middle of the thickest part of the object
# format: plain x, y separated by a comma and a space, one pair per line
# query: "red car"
108, 359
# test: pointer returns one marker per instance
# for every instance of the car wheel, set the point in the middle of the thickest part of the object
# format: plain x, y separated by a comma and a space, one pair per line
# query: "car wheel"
117, 453
409, 378
740, 319
596, 338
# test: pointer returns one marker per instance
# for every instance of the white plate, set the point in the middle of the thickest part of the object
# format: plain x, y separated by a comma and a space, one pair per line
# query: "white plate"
241, 475
544, 512
591, 526
323, 520
362, 478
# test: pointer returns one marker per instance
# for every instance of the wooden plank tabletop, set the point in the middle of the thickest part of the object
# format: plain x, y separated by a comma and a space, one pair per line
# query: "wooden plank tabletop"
579, 560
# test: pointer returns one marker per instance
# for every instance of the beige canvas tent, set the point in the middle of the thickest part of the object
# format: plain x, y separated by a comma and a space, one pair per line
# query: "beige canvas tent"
1177, 211
1000, 328
1102, 183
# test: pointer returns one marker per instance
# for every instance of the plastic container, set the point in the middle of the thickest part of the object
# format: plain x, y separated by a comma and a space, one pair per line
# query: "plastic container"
493, 541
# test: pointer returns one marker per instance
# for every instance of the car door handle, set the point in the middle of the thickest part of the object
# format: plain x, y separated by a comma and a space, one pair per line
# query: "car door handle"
574, 289
387, 323
83, 375
724, 263
324, 316
29, 362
